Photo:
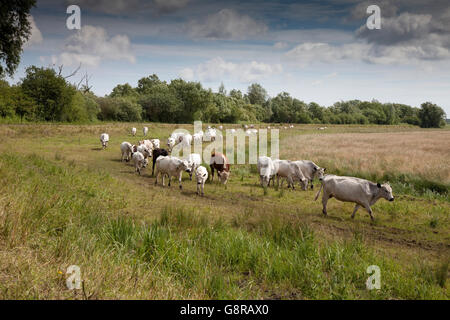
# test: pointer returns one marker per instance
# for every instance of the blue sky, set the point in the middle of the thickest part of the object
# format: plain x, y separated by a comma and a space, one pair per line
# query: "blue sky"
318, 51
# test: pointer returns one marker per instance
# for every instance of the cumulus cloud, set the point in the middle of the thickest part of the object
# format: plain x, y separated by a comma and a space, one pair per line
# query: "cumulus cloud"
36, 35
91, 45
226, 24
280, 45
216, 69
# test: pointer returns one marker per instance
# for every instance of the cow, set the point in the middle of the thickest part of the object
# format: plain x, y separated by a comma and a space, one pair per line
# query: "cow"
126, 149
210, 134
194, 160
185, 139
148, 144
133, 131
144, 150
145, 131
171, 166
267, 170
104, 139
310, 170
349, 189
289, 170
156, 153
221, 128
198, 137
220, 163
139, 161
155, 142
201, 174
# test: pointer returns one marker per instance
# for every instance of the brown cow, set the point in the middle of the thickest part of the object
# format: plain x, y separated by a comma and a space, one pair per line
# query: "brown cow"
220, 162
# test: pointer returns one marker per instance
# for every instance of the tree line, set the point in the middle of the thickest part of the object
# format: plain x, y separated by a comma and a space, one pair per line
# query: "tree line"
44, 95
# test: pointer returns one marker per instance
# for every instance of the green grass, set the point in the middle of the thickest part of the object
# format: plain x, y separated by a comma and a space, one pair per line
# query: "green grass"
71, 215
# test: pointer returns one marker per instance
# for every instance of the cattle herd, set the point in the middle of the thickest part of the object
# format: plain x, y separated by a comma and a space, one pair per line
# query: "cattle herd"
362, 192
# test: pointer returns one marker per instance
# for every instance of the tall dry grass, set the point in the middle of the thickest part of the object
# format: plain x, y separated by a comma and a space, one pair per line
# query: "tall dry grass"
425, 154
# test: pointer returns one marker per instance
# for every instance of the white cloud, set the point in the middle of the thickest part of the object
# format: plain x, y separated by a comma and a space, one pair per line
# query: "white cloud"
226, 24
35, 36
91, 45
280, 45
217, 69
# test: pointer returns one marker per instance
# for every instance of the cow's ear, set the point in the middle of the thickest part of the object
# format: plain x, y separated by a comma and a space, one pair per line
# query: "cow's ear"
324, 169
378, 185
315, 169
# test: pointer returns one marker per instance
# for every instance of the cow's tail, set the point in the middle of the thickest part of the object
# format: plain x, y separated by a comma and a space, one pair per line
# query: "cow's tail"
318, 193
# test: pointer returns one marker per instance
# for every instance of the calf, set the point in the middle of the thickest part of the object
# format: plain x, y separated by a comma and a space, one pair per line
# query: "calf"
145, 131
194, 160
349, 189
157, 153
289, 170
201, 174
155, 143
220, 163
171, 166
139, 161
133, 131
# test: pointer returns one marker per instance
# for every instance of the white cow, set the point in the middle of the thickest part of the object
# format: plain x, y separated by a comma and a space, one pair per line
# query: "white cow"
126, 149
232, 131
194, 160
267, 170
148, 144
139, 161
201, 174
104, 139
198, 137
174, 139
145, 131
310, 170
155, 143
251, 132
133, 131
210, 134
220, 128
185, 140
349, 189
145, 151
171, 166
289, 170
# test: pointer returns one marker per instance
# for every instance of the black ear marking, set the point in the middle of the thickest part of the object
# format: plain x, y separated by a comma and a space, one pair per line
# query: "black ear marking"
378, 185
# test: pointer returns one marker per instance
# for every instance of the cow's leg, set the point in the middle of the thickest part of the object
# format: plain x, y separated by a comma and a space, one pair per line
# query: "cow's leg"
212, 173
203, 188
291, 183
190, 175
179, 179
198, 188
369, 210
354, 211
156, 180
312, 185
170, 179
325, 198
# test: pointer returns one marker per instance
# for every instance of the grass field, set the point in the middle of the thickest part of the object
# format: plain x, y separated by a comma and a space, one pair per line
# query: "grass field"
64, 201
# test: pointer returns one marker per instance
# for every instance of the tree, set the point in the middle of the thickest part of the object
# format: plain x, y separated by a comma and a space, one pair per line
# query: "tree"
15, 31
123, 90
431, 116
257, 94
51, 92
147, 83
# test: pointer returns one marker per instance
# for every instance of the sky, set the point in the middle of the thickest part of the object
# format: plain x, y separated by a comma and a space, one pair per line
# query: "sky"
319, 51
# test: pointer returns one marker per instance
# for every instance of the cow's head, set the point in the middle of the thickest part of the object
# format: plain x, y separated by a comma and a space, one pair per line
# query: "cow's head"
265, 180
319, 172
385, 191
170, 142
223, 175
184, 165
